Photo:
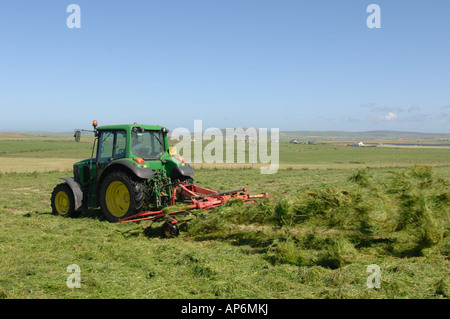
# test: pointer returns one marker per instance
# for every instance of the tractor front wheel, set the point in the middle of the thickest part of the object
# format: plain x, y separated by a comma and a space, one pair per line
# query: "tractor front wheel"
122, 196
62, 201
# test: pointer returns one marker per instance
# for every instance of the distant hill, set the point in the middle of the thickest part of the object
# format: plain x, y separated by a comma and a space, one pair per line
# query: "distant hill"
38, 133
372, 135
42, 133
310, 135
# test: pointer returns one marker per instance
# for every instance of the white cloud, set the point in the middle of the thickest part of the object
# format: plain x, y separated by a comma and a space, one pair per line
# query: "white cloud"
385, 118
386, 109
389, 117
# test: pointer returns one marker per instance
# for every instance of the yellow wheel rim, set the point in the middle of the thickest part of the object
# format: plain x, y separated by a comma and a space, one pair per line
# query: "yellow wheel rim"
62, 203
117, 199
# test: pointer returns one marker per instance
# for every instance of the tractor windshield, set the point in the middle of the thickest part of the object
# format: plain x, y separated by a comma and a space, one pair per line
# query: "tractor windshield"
147, 144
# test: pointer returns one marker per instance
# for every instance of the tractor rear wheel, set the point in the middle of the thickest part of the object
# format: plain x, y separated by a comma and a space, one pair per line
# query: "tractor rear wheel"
63, 202
122, 196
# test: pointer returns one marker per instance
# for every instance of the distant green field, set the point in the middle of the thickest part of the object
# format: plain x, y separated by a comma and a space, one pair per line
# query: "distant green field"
324, 154
43, 149
333, 211
338, 154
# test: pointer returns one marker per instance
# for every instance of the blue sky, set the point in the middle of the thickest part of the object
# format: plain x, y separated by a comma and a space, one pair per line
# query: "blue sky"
287, 64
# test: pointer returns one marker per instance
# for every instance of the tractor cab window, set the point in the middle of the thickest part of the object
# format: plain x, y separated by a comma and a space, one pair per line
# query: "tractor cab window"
111, 145
147, 144
120, 145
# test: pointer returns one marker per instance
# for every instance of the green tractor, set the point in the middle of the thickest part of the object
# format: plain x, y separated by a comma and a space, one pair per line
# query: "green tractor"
132, 171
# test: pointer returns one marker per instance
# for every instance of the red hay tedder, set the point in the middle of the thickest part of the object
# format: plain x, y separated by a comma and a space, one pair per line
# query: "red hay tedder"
195, 198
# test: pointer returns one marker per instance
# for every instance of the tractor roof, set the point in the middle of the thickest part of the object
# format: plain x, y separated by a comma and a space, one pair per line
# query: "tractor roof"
129, 126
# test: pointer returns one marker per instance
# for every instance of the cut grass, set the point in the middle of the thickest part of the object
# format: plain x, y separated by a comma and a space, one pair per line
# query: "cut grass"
244, 253
327, 219
333, 227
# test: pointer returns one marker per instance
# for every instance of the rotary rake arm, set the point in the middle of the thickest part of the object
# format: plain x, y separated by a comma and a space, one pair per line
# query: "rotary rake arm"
196, 198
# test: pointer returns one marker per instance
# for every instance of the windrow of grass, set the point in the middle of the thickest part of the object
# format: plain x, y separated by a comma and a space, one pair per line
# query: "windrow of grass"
403, 215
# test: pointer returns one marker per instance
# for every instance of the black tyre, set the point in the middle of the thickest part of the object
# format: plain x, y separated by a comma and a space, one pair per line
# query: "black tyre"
121, 196
170, 230
62, 201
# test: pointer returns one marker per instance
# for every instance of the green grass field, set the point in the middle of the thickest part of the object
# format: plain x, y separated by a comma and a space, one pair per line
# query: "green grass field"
334, 211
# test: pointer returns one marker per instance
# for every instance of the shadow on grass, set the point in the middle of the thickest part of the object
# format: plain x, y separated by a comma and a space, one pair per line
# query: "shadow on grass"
92, 214
256, 242
95, 214
148, 228
153, 231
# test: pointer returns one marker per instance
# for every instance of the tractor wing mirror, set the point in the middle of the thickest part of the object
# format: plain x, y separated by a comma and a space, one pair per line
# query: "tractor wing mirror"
77, 135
